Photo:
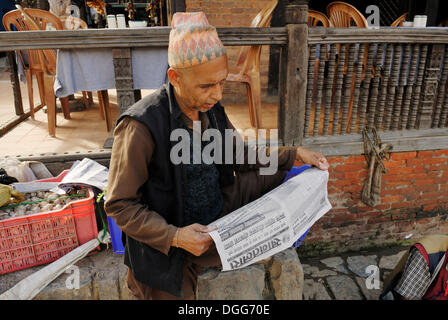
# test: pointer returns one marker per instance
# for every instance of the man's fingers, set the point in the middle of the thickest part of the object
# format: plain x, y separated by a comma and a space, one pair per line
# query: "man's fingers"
202, 228
323, 164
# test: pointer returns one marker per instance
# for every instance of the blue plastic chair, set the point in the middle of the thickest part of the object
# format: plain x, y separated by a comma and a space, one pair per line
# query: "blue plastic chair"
115, 232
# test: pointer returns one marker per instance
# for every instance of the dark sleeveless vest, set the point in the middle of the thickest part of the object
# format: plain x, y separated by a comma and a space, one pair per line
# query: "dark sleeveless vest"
163, 190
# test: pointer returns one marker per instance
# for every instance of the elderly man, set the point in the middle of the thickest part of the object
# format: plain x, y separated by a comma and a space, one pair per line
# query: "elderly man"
164, 208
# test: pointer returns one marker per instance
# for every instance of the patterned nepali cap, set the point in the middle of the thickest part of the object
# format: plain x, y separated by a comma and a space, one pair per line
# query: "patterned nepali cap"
193, 40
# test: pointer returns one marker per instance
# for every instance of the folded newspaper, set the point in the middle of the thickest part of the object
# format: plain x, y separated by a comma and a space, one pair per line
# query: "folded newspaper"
273, 222
87, 173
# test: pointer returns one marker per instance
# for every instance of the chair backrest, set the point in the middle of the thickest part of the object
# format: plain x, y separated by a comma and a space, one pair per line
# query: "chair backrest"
73, 23
29, 19
249, 56
344, 15
399, 21
316, 17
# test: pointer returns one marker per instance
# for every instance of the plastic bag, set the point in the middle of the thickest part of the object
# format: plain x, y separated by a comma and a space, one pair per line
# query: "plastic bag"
25, 171
19, 170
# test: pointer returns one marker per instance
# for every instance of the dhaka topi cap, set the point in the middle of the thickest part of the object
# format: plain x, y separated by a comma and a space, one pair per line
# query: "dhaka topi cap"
193, 40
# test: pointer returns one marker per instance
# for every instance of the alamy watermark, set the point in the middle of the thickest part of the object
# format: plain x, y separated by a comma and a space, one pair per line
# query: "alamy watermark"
373, 20
373, 280
73, 280
258, 150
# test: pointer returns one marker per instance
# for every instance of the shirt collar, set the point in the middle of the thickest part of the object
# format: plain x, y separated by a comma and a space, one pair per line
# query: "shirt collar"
174, 106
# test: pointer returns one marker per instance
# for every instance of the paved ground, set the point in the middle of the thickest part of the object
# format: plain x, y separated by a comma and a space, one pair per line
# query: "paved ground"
348, 276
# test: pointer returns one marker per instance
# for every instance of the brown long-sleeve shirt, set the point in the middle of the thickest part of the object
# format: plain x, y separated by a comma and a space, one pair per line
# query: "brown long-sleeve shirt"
128, 172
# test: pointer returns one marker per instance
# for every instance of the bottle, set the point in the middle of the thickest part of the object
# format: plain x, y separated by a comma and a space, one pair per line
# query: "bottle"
121, 22
111, 21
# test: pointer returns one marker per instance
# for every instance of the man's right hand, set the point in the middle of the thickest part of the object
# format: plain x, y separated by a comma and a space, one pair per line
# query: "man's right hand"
193, 238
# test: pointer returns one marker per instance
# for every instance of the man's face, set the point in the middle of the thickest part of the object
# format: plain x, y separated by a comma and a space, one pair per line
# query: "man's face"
200, 87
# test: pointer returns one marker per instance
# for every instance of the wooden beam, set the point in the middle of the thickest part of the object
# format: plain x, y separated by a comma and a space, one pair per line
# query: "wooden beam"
116, 38
4, 128
383, 35
402, 141
15, 84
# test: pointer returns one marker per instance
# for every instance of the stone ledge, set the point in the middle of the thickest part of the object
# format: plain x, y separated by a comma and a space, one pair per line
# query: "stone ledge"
103, 277
279, 277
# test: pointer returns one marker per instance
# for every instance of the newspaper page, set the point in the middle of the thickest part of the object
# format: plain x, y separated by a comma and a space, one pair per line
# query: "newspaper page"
273, 222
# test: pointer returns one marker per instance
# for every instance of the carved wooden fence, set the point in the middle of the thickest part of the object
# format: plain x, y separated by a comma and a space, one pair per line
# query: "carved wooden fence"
392, 79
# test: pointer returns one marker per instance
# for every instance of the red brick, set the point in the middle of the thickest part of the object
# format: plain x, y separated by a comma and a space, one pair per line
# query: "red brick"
391, 199
378, 219
415, 162
421, 202
423, 182
353, 188
357, 159
394, 164
430, 207
436, 168
354, 175
403, 155
416, 176
383, 206
435, 160
442, 153
425, 154
400, 171
335, 160
427, 188
401, 204
395, 184
403, 191
350, 167
433, 195
340, 183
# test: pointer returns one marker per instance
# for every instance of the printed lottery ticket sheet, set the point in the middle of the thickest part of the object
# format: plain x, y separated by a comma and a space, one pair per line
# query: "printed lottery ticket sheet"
273, 222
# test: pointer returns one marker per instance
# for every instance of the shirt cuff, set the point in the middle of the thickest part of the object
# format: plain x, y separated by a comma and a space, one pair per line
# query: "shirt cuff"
171, 233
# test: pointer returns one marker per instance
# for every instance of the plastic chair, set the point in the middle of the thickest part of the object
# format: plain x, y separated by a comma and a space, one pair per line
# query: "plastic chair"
399, 21
42, 63
316, 17
344, 15
247, 69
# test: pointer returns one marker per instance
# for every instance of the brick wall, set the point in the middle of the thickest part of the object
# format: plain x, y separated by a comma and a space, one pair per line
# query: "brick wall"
414, 199
231, 13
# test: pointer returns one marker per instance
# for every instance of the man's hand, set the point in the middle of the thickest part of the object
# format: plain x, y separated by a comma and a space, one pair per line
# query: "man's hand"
312, 157
193, 238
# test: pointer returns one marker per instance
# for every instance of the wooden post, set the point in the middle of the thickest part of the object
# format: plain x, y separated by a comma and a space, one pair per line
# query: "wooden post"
18, 105
124, 83
430, 84
293, 74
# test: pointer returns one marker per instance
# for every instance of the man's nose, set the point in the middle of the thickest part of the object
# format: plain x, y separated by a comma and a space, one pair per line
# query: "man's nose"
217, 92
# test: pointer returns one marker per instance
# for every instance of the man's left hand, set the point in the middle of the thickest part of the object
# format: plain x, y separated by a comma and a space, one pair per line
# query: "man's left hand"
314, 158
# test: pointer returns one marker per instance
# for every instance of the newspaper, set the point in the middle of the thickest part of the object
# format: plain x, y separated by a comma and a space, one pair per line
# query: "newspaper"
273, 222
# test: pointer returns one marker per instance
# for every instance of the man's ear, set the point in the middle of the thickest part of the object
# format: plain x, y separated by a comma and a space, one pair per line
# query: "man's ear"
173, 77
